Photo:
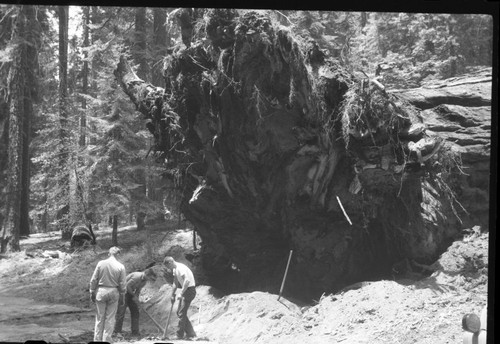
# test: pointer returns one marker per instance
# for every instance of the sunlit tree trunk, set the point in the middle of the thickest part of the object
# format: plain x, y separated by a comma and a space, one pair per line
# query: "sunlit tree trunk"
139, 53
30, 96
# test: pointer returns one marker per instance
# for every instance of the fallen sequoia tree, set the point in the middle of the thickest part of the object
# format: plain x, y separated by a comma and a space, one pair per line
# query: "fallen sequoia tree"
277, 147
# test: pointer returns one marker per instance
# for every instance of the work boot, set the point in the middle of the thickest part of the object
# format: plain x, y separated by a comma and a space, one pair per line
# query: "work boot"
180, 334
190, 337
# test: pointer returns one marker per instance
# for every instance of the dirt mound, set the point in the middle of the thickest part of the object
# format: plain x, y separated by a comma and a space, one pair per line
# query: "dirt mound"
389, 311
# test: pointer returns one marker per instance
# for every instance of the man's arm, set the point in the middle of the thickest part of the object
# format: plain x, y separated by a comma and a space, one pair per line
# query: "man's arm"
174, 287
184, 287
95, 278
122, 288
93, 283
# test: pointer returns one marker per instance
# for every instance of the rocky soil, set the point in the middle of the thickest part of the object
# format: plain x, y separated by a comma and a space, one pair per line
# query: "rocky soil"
43, 292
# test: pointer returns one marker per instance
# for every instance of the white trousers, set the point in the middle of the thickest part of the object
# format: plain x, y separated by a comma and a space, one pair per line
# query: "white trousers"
107, 304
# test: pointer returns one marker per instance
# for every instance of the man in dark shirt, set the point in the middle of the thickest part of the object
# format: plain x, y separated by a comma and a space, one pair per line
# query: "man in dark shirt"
135, 282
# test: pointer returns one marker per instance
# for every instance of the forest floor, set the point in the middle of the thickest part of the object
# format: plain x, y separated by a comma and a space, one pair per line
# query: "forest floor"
44, 296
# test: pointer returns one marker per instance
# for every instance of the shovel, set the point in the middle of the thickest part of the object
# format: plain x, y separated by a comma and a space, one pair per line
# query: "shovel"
150, 317
168, 321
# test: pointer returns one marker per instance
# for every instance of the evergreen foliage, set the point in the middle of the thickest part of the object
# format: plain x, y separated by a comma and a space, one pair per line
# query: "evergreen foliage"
114, 172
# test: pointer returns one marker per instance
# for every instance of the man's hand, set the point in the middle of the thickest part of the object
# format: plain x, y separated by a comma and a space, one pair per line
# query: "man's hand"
92, 296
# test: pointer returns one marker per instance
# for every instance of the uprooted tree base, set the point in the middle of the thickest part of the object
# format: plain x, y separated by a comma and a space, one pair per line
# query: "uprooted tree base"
278, 147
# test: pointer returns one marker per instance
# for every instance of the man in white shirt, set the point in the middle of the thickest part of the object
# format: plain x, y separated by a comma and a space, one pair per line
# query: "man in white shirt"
184, 279
106, 285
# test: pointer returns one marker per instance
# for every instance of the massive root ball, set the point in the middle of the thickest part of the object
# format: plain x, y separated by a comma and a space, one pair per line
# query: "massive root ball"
278, 147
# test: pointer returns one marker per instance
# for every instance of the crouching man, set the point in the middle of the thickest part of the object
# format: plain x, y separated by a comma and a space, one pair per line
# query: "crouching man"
184, 279
135, 282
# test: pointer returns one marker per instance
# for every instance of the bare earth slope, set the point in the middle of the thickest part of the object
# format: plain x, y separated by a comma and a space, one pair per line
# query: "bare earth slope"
46, 299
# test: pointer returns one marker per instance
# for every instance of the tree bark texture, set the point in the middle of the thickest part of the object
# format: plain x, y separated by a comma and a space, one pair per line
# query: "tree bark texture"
85, 77
114, 232
279, 147
139, 49
20, 83
64, 223
159, 44
30, 96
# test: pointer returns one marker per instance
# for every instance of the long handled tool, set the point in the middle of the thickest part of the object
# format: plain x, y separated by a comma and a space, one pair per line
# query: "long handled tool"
168, 320
150, 317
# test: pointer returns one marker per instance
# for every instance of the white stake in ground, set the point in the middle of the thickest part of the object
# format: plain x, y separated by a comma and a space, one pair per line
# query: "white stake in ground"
286, 272
343, 210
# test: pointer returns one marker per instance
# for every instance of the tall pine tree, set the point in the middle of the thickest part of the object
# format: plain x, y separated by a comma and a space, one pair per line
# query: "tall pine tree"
21, 81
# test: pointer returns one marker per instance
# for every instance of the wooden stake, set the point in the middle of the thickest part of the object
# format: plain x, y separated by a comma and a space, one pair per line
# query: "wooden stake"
343, 210
286, 272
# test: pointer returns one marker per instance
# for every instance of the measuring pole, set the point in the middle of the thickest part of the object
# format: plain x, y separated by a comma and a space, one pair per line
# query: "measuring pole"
286, 272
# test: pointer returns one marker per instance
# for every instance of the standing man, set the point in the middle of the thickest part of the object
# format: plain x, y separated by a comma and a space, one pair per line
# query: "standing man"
135, 282
106, 286
184, 279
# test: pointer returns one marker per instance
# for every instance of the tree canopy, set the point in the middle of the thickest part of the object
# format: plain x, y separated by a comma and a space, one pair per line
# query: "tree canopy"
112, 162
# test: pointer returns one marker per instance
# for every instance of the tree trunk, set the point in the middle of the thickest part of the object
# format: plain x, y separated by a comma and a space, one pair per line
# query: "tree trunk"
279, 147
140, 220
114, 233
139, 48
85, 77
64, 225
160, 44
30, 96
21, 73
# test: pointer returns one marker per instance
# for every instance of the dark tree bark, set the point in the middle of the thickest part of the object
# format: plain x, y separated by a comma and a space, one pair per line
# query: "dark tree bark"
85, 77
114, 233
21, 83
139, 48
140, 221
280, 148
64, 223
160, 45
364, 19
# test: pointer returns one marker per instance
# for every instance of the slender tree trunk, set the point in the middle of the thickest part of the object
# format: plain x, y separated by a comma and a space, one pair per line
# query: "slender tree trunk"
364, 19
82, 189
140, 220
139, 52
63, 115
85, 77
114, 233
30, 95
160, 45
194, 239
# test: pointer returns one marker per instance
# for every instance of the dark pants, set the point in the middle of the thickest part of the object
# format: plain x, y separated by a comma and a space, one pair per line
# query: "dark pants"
134, 314
185, 326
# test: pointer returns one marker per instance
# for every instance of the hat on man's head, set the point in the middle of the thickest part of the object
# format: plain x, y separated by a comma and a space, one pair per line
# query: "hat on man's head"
114, 250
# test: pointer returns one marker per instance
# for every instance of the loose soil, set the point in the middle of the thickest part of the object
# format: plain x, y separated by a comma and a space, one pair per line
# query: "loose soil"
44, 296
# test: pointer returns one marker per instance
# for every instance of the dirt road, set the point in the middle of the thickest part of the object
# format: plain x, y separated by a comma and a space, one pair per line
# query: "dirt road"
23, 319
